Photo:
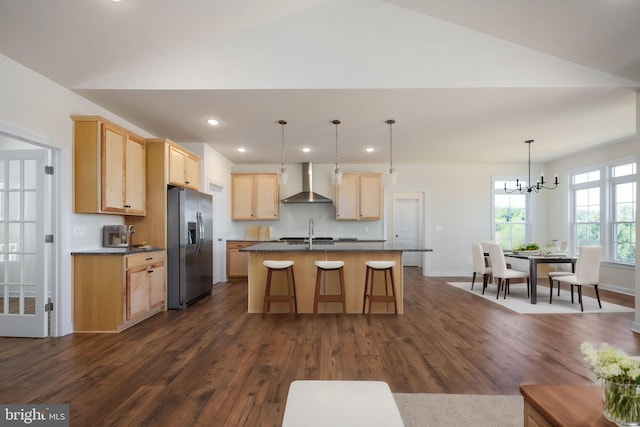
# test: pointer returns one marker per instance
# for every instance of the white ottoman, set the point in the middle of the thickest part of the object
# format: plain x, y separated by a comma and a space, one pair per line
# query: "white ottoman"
340, 403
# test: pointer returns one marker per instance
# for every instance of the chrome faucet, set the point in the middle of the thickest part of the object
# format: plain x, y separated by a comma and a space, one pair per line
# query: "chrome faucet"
310, 232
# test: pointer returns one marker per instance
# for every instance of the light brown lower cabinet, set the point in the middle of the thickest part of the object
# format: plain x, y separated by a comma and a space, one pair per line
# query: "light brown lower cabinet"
113, 292
238, 262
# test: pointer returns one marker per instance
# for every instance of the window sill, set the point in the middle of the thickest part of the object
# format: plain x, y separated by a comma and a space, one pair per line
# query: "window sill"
618, 265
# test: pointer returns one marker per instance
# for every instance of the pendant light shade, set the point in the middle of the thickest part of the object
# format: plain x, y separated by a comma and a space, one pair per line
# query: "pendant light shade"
391, 173
336, 172
283, 174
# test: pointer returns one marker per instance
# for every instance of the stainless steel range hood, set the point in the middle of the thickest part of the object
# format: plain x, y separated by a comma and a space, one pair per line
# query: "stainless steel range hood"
307, 195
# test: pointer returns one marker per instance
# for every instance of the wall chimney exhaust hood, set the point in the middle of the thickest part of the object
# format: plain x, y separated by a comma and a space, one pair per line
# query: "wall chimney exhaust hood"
307, 195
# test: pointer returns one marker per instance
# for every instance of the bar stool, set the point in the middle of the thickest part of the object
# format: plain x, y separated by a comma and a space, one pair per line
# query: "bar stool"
322, 268
290, 296
385, 267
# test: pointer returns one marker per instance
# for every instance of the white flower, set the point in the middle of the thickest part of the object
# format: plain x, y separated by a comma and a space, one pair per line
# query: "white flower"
610, 363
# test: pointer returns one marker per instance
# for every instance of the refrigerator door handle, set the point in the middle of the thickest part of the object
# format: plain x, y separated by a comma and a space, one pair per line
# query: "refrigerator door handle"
200, 231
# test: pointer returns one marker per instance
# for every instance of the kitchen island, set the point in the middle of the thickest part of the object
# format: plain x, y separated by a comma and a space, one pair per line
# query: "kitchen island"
354, 255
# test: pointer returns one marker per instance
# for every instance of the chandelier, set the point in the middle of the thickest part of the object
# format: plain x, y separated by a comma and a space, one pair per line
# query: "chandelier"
336, 172
282, 173
528, 188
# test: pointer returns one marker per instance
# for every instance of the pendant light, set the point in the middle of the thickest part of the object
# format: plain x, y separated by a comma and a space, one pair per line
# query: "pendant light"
336, 173
391, 174
282, 173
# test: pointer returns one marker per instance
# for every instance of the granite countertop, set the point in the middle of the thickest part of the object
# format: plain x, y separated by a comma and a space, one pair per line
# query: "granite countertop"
334, 247
115, 251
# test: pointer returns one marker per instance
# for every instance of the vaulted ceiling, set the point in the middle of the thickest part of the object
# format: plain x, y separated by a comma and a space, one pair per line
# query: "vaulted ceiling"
465, 80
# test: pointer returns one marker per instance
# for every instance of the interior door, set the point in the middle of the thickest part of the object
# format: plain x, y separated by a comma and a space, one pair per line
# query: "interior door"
23, 283
406, 227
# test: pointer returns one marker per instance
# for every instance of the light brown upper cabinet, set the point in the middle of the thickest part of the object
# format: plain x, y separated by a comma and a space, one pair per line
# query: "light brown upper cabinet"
184, 168
359, 197
255, 197
109, 168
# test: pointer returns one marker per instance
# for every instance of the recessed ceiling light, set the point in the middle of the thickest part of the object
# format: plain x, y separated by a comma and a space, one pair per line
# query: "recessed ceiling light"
369, 149
212, 122
116, 1
306, 149
242, 149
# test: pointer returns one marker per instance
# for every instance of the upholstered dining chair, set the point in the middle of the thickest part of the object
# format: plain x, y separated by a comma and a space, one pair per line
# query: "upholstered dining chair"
553, 275
587, 272
501, 274
479, 266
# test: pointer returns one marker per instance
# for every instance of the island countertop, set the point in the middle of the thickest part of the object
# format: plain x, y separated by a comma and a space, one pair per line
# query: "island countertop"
334, 247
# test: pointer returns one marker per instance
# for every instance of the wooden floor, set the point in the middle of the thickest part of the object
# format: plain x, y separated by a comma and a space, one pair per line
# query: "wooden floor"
215, 365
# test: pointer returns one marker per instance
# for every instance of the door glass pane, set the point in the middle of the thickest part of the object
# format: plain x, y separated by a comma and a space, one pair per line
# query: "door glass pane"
14, 238
29, 175
14, 205
30, 269
2, 184
13, 269
14, 174
29, 205
29, 237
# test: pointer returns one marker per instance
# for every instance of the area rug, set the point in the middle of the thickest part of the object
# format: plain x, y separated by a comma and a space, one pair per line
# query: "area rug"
518, 301
458, 410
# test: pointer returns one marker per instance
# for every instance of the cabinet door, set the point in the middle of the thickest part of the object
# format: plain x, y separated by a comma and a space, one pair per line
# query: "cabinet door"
237, 262
191, 172
267, 197
347, 197
156, 277
137, 292
242, 197
112, 168
176, 166
370, 197
135, 177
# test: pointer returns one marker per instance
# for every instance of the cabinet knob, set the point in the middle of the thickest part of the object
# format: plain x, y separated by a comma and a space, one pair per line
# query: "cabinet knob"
149, 271
127, 206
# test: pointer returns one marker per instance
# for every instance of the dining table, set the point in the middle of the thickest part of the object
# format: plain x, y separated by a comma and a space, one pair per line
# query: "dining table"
537, 258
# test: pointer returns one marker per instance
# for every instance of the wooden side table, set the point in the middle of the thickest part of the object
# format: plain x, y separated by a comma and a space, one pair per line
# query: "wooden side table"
563, 405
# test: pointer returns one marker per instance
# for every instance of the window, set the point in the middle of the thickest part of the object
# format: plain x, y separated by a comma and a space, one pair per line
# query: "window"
604, 210
624, 212
586, 196
510, 215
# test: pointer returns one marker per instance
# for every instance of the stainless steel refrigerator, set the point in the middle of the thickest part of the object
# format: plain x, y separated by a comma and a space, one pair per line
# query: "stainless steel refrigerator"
189, 246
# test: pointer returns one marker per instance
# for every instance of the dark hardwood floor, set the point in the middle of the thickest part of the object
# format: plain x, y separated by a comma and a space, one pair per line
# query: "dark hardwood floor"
215, 365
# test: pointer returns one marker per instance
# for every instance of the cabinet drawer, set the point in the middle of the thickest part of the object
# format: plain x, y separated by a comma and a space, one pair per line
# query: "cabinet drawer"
145, 258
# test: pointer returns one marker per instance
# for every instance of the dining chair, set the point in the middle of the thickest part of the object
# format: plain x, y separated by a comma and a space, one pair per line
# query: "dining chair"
501, 273
553, 275
479, 266
587, 272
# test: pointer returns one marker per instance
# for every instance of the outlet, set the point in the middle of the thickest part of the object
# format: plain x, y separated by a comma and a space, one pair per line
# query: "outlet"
79, 230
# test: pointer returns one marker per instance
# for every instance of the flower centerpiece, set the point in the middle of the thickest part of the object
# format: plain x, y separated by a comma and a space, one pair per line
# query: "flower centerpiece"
621, 382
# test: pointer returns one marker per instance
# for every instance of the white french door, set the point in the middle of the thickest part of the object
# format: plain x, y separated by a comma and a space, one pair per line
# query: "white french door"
23, 278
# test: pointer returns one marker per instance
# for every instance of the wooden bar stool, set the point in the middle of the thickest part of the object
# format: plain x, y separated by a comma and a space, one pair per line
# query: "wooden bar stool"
322, 268
385, 267
290, 296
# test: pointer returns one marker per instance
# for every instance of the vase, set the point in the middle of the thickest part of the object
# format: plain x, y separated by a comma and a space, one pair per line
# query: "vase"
621, 403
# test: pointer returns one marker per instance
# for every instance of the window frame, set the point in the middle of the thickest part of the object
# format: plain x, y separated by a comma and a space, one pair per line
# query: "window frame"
607, 185
528, 209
